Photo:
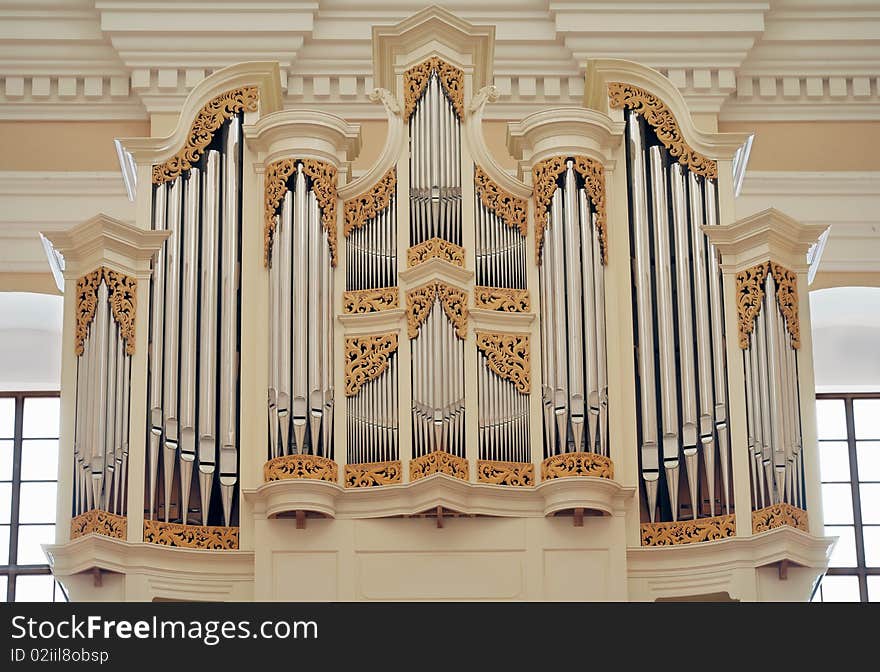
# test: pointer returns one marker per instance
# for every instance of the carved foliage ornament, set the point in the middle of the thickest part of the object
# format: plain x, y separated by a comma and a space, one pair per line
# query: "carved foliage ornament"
507, 207
367, 358
99, 522
206, 537
787, 299
372, 474
312, 467
661, 119
750, 292
520, 474
359, 210
370, 300
438, 462
122, 296
420, 300
435, 248
503, 299
323, 184
778, 515
577, 464
416, 79
207, 121
544, 176
688, 531
507, 355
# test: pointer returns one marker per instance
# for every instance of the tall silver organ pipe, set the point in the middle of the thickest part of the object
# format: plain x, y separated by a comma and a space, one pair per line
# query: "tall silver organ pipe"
677, 309
574, 397
301, 326
435, 167
194, 339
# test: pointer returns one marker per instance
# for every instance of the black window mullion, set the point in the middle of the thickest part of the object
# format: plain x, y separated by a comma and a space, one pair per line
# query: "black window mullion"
856, 497
16, 499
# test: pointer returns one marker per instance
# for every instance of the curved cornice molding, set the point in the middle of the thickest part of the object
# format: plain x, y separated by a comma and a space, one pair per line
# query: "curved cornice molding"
602, 71
265, 75
305, 134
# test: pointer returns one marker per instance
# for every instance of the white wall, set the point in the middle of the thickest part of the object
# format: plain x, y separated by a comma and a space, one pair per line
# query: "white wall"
30, 341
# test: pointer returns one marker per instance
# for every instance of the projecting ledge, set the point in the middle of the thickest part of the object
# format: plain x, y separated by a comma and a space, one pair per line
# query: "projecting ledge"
587, 493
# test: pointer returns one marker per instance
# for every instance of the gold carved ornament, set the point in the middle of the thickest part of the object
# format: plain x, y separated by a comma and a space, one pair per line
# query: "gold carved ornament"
778, 515
507, 355
373, 474
787, 299
438, 462
370, 300
359, 210
435, 248
207, 121
367, 358
205, 537
416, 79
122, 297
577, 464
323, 185
313, 467
503, 299
661, 119
544, 176
507, 207
749, 299
420, 300
99, 522
688, 531
520, 474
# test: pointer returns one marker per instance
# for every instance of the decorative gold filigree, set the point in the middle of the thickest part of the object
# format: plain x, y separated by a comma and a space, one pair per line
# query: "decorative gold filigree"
688, 531
661, 119
312, 467
323, 184
749, 299
435, 248
502, 298
416, 79
367, 358
101, 522
544, 176
438, 462
370, 300
577, 464
206, 537
420, 300
520, 474
373, 474
207, 121
508, 356
507, 207
359, 210
778, 515
787, 299
122, 297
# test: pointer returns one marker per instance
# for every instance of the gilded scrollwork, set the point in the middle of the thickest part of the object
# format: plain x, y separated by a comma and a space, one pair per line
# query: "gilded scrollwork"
688, 531
661, 119
438, 462
544, 176
507, 355
370, 300
277, 174
367, 358
416, 78
323, 177
205, 537
122, 297
101, 522
435, 248
313, 467
510, 209
207, 121
359, 210
420, 300
778, 515
521, 474
504, 299
577, 464
373, 474
749, 298
787, 299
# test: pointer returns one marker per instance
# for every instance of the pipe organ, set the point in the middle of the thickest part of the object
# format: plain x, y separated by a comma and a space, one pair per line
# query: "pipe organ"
436, 336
